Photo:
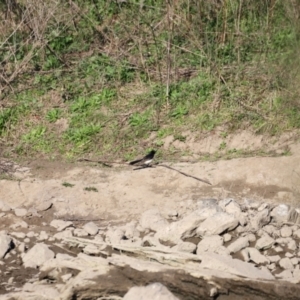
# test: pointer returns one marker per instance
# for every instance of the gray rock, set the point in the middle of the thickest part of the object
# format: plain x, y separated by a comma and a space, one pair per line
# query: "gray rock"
114, 236
232, 207
37, 255
286, 264
80, 232
239, 244
22, 247
91, 228
207, 203
289, 255
20, 212
93, 249
292, 245
251, 237
153, 220
283, 241
43, 206
209, 244
30, 234
295, 261
5, 244
255, 256
153, 291
60, 225
269, 229
278, 249
217, 224
43, 236
280, 213
234, 266
131, 230
186, 227
185, 247
227, 237
265, 242
296, 234
19, 235
273, 258
294, 216
263, 206
63, 235
4, 206
286, 274
286, 231
260, 219
18, 224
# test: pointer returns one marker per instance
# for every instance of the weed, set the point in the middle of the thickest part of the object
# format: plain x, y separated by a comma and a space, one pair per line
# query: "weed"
222, 146
91, 189
53, 115
67, 184
35, 134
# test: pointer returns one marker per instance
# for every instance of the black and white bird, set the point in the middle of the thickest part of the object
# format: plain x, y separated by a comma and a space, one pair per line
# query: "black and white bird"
145, 161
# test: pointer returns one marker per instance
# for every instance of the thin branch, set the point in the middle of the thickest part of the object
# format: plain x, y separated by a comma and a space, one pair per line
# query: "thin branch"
185, 174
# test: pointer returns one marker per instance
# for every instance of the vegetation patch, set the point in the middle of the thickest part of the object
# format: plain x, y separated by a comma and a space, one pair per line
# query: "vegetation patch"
117, 71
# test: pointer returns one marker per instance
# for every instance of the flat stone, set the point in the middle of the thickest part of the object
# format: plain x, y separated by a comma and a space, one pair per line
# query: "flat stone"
274, 258
37, 255
4, 206
269, 229
152, 291
43, 206
217, 224
60, 225
207, 203
255, 256
211, 243
230, 206
153, 220
286, 231
114, 236
93, 249
285, 274
292, 245
80, 232
278, 249
5, 244
185, 228
227, 237
265, 242
239, 244
62, 235
296, 234
286, 264
280, 213
18, 224
260, 219
91, 228
130, 230
20, 212
234, 266
185, 247
43, 236
295, 261
19, 235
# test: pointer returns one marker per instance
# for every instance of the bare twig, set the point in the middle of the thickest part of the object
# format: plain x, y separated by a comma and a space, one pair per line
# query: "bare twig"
185, 174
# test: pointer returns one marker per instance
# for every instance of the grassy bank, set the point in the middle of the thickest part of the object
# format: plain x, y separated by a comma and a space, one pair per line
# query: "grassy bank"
98, 78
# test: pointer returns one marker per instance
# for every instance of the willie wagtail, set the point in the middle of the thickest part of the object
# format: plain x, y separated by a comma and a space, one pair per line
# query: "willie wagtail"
145, 161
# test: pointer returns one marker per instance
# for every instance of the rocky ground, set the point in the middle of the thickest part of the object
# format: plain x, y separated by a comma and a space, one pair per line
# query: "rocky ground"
86, 232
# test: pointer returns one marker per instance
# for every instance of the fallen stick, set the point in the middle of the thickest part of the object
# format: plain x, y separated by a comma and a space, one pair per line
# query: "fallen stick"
185, 174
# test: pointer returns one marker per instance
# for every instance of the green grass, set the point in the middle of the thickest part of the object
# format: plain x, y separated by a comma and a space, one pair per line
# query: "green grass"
105, 73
